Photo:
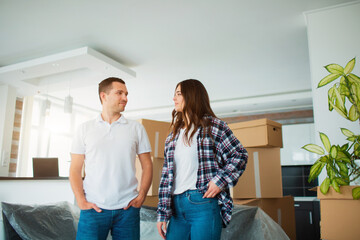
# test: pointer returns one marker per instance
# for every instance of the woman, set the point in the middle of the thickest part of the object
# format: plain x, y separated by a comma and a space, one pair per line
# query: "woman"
202, 160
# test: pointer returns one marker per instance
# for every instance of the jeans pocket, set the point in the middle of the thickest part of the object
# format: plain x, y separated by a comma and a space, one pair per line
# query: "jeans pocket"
87, 210
198, 199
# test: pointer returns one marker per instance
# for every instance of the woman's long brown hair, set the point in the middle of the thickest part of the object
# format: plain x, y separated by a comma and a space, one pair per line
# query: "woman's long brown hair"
196, 107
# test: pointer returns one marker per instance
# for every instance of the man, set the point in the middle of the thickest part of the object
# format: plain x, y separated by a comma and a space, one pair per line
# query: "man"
107, 146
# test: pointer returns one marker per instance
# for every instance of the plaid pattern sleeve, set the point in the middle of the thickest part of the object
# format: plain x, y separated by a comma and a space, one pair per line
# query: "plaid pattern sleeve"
231, 155
164, 205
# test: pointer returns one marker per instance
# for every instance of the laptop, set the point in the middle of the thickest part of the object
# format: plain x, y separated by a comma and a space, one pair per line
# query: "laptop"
45, 167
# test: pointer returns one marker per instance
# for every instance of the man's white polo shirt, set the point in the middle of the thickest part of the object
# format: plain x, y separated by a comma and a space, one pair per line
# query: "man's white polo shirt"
110, 153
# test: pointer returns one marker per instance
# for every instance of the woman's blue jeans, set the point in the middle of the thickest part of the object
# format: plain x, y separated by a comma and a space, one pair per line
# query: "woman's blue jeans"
123, 224
194, 217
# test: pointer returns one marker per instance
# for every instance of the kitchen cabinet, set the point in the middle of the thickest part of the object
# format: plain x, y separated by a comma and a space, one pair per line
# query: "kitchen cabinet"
307, 218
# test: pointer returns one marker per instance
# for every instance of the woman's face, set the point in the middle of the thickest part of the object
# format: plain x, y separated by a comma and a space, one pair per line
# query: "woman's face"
178, 100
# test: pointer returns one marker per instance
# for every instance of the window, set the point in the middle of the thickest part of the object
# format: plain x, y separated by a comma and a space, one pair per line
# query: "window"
52, 131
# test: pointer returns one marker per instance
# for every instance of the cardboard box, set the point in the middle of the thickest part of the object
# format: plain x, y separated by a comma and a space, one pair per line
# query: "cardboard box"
262, 176
157, 132
157, 169
258, 133
151, 201
281, 210
339, 214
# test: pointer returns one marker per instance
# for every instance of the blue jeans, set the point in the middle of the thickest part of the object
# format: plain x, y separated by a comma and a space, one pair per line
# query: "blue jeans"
194, 217
123, 224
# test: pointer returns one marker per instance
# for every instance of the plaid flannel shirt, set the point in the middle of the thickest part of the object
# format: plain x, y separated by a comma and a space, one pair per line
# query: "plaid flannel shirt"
222, 159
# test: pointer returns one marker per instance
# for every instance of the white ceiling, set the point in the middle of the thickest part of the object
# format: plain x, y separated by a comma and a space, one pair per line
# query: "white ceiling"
251, 56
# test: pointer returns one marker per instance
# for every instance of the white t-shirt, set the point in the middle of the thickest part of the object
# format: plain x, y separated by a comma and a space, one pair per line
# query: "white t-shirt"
110, 153
186, 164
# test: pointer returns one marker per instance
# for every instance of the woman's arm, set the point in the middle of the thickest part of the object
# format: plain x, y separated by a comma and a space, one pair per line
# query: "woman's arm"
234, 158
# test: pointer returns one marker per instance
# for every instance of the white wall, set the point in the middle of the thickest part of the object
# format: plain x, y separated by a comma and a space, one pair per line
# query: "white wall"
294, 137
7, 114
333, 36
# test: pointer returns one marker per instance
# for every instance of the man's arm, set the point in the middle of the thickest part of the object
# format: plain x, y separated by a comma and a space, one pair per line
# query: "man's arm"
77, 161
146, 178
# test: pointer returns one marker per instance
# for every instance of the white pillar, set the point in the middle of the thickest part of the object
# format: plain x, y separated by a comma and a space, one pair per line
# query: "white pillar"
24, 164
7, 114
333, 36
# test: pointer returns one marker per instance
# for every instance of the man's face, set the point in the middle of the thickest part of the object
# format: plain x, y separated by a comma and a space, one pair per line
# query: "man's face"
116, 99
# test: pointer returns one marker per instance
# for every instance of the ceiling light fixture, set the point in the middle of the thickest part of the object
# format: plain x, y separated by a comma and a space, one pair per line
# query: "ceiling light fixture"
46, 104
45, 107
68, 103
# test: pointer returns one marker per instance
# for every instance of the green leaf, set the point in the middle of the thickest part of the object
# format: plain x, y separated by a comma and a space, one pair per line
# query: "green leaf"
330, 172
341, 181
353, 114
344, 91
330, 105
345, 146
344, 174
355, 93
325, 140
342, 80
333, 152
315, 170
335, 69
331, 92
341, 156
349, 66
356, 193
354, 78
324, 187
352, 139
328, 79
347, 132
342, 167
339, 111
340, 102
357, 149
314, 148
335, 185
331, 97
324, 159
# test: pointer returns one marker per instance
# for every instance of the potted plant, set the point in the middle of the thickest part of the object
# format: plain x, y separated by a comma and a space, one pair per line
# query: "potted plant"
340, 162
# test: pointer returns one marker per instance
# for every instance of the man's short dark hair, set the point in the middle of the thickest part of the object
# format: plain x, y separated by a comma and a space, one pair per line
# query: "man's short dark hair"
106, 85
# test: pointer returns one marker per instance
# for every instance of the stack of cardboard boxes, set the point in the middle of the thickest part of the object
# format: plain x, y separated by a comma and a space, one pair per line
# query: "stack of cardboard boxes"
157, 132
261, 183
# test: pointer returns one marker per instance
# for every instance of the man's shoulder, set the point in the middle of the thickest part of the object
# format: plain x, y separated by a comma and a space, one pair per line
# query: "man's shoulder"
136, 125
133, 122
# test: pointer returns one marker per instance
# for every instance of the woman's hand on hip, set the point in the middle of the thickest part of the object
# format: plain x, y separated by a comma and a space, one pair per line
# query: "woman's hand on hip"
161, 226
212, 190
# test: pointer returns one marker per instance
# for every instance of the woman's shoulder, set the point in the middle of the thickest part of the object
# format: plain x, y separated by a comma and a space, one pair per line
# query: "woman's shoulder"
169, 137
217, 123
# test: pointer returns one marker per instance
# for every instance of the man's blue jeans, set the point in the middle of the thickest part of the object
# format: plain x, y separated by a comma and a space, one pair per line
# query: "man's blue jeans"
123, 224
194, 217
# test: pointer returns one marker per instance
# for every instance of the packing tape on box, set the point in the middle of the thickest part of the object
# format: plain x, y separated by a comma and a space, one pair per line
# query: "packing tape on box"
257, 175
156, 151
